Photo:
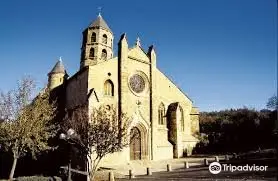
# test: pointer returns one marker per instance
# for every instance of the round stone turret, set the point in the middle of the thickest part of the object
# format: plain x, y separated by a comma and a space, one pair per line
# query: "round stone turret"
57, 75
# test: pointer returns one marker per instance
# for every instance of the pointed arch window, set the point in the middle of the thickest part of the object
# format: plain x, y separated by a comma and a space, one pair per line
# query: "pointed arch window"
104, 39
161, 114
93, 37
108, 88
92, 53
181, 118
104, 54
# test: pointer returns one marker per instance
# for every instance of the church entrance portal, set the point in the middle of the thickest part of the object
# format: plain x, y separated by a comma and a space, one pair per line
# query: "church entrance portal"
135, 144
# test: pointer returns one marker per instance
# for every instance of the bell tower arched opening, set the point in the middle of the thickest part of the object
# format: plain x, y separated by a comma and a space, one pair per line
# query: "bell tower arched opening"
95, 47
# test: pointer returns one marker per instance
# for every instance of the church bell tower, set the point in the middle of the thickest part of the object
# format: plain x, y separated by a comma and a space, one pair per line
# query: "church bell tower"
97, 44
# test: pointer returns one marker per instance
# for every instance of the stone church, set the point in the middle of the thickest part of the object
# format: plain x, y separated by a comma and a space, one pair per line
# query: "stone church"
161, 114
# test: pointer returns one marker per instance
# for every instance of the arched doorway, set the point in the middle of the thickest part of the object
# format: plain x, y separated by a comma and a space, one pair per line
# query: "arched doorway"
135, 144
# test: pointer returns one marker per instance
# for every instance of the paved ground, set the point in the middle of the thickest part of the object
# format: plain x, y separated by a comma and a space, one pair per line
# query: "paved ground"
139, 167
196, 171
202, 173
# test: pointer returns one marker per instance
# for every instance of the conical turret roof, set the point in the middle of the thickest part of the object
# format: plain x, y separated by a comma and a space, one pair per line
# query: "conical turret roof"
99, 22
58, 68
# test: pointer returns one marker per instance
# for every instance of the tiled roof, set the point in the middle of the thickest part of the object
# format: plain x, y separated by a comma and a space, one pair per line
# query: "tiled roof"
99, 22
58, 68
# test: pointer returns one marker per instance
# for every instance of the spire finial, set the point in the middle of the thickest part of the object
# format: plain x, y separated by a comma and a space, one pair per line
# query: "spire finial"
138, 42
99, 10
60, 59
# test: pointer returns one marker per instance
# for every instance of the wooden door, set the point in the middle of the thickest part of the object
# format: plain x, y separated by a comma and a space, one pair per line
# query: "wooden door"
135, 144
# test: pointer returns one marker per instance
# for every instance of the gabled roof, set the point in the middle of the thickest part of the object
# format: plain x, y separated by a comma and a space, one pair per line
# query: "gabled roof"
138, 53
99, 22
58, 68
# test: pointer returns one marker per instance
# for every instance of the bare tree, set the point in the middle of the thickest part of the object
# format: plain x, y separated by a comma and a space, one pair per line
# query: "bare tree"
272, 102
26, 125
104, 132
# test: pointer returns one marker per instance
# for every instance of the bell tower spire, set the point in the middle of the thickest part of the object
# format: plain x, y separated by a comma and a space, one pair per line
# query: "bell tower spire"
97, 44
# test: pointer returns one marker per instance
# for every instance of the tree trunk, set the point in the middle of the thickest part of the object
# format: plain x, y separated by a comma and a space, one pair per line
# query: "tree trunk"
13, 168
94, 170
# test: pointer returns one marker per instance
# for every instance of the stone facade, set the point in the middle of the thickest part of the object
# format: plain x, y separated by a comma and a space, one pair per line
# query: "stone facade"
162, 114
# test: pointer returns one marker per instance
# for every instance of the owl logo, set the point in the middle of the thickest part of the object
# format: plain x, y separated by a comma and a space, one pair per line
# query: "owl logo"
215, 168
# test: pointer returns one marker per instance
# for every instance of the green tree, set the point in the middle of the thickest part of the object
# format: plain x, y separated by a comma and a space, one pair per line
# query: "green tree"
237, 130
26, 125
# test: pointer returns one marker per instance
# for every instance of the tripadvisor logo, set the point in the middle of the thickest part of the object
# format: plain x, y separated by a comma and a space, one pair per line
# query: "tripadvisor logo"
216, 168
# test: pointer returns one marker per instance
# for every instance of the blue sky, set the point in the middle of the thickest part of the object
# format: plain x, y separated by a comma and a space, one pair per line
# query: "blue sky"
222, 53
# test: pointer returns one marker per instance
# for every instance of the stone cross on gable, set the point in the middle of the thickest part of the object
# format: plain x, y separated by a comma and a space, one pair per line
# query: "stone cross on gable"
138, 42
